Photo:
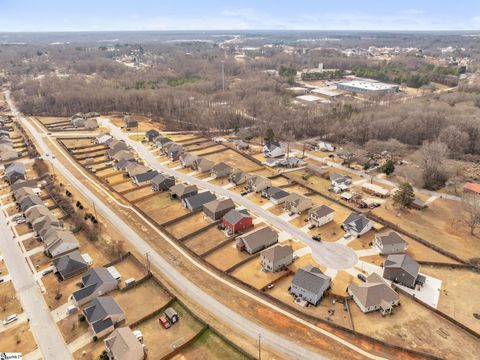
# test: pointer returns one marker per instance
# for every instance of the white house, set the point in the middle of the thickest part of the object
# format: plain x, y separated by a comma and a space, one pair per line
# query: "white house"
321, 215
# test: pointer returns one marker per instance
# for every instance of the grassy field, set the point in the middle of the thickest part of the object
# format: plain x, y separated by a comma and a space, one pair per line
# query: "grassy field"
9, 304
232, 158
18, 339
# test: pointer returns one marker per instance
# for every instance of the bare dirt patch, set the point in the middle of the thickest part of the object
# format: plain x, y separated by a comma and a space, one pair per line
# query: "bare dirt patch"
9, 304
18, 339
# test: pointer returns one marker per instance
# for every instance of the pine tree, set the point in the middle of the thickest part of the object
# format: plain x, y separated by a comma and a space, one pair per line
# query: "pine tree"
404, 196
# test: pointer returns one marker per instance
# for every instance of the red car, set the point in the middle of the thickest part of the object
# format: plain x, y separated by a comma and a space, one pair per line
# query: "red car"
163, 320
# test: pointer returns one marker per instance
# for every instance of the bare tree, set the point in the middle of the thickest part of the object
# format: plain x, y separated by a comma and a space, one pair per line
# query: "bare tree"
432, 156
456, 140
471, 205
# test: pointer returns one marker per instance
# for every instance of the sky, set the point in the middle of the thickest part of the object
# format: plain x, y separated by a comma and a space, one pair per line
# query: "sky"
115, 15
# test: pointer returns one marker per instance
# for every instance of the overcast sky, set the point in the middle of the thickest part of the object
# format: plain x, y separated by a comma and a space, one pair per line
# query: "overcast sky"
89, 15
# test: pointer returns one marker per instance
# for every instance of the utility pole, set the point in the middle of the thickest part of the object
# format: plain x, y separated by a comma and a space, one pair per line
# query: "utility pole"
259, 346
303, 151
147, 260
95, 210
223, 76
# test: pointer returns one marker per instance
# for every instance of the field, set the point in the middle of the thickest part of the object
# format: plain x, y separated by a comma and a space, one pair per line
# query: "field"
3, 268
18, 339
188, 225
226, 256
233, 159
161, 208
9, 303
129, 268
205, 240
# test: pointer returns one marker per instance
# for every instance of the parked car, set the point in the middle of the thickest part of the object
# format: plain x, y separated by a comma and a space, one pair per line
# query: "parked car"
316, 238
311, 226
163, 320
72, 309
270, 286
1, 281
10, 319
19, 217
21, 221
347, 236
46, 272
243, 193
362, 277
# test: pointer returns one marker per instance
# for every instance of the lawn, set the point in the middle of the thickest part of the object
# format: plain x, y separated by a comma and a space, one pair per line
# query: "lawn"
3, 268
71, 327
205, 240
161, 208
9, 303
226, 256
53, 287
91, 351
18, 339
232, 158
188, 225
40, 261
251, 273
31, 243
128, 268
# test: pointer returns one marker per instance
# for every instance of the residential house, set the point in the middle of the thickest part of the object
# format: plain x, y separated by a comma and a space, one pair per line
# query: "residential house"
258, 183
296, 203
236, 221
196, 202
36, 212
162, 182
273, 149
70, 265
275, 195
119, 146
91, 124
15, 172
321, 215
187, 159
22, 193
45, 224
183, 191
242, 145
160, 142
122, 164
357, 224
130, 122
237, 177
23, 184
220, 170
125, 155
102, 139
95, 282
102, 314
273, 162
112, 142
134, 169
340, 182
29, 201
256, 240
174, 152
151, 135
374, 294
391, 243
403, 270
60, 242
276, 258
78, 122
325, 146
145, 177
7, 152
202, 165
310, 284
122, 344
292, 162
216, 209
375, 190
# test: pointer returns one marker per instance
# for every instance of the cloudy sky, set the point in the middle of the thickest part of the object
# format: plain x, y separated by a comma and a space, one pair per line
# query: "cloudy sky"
89, 15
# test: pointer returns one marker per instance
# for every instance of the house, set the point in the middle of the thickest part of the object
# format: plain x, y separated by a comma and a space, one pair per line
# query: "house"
14, 172
23, 184
374, 294
273, 149
102, 138
122, 164
321, 215
133, 169
162, 182
196, 202
258, 183
36, 212
78, 122
403, 270
296, 203
122, 344
292, 162
70, 265
325, 146
125, 155
216, 209
236, 221
151, 135
357, 224
60, 242
418, 204
256, 240
42, 225
111, 143
391, 243
119, 146
160, 142
95, 282
22, 193
171, 315
29, 201
183, 191
130, 122
187, 159
237, 177
310, 284
220, 170
275, 195
340, 182
174, 152
242, 145
142, 178
202, 165
276, 258
102, 314
7, 153
91, 124
273, 162
92, 114
471, 188
375, 190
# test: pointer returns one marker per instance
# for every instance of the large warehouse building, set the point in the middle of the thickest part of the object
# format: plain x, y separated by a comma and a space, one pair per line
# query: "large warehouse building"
367, 87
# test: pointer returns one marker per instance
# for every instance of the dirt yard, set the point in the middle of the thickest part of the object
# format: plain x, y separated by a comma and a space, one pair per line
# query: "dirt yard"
188, 225
9, 303
129, 268
161, 208
226, 256
18, 339
91, 351
3, 268
31, 243
205, 240
71, 327
53, 286
251, 273
40, 261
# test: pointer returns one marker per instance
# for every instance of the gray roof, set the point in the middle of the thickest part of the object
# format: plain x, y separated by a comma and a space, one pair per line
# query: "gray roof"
101, 308
311, 279
219, 205
16, 167
221, 167
159, 178
404, 262
356, 222
123, 344
181, 189
275, 193
25, 183
237, 176
392, 238
278, 252
152, 132
149, 175
92, 280
198, 200
373, 291
70, 264
258, 237
339, 177
234, 216
272, 145
321, 211
170, 312
29, 201
162, 140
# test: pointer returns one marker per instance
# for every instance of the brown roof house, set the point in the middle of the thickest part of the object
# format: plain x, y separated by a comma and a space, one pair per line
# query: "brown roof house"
403, 270
183, 191
60, 242
122, 344
391, 243
276, 258
321, 215
202, 165
187, 159
220, 170
256, 240
258, 183
237, 177
216, 209
374, 294
296, 203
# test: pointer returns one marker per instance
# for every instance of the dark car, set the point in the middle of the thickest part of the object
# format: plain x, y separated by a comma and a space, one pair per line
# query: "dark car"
362, 277
316, 238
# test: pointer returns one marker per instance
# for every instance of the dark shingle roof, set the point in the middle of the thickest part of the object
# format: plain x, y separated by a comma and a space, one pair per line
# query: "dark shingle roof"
311, 279
197, 201
70, 263
404, 262
234, 216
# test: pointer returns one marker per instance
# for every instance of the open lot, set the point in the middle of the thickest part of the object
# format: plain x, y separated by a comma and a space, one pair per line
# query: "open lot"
31, 243
161, 208
226, 256
91, 351
414, 326
71, 327
139, 193
40, 261
9, 303
160, 341
205, 240
132, 301
129, 268
18, 339
188, 225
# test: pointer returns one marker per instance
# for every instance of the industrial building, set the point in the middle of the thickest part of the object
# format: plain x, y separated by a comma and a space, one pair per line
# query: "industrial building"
367, 87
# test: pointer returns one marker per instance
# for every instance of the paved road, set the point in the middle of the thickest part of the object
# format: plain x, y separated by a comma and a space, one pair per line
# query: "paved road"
44, 329
221, 311
331, 255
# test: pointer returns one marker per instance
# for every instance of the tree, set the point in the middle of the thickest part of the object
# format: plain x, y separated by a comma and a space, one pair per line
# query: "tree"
388, 168
456, 140
432, 157
269, 135
403, 198
471, 205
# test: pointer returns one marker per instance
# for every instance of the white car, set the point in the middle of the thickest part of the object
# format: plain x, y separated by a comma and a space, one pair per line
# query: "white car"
21, 221
10, 319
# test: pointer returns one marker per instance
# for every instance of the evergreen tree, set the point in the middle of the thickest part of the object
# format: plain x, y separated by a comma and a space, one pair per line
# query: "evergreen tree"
404, 196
